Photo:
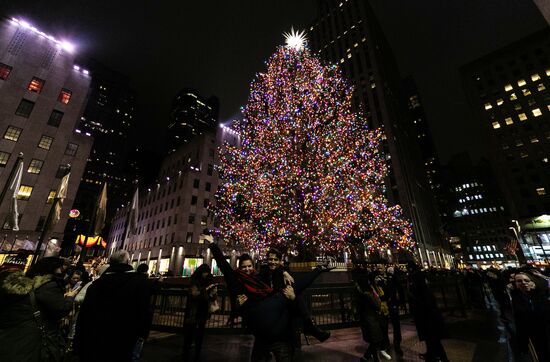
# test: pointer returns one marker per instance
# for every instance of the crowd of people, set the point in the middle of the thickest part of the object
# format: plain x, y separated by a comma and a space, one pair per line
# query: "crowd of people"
58, 311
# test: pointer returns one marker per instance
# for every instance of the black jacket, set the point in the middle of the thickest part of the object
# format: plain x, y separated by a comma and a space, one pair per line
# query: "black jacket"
114, 314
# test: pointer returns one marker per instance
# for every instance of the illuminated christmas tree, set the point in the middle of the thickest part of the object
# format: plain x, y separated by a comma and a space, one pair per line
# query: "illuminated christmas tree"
309, 174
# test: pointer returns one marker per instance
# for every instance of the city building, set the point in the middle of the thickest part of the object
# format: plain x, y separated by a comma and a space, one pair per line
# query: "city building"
191, 115
43, 93
509, 93
174, 211
347, 33
478, 225
109, 117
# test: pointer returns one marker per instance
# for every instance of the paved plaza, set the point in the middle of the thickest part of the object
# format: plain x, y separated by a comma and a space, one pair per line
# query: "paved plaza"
477, 338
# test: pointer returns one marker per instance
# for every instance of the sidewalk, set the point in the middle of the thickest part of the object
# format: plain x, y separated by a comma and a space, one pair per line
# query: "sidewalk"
475, 339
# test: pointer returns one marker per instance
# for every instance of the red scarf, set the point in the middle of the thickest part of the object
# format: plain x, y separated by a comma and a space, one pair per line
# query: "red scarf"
253, 284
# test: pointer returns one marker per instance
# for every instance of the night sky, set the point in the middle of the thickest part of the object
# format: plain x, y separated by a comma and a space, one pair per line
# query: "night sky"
218, 46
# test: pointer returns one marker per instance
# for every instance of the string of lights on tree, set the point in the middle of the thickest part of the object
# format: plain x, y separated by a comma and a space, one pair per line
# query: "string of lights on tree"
308, 173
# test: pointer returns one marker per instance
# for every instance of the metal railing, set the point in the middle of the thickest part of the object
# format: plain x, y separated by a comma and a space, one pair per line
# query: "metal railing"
331, 305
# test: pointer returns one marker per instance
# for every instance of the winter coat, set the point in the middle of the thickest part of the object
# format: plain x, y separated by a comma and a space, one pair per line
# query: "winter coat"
423, 306
115, 313
531, 316
19, 334
197, 307
368, 308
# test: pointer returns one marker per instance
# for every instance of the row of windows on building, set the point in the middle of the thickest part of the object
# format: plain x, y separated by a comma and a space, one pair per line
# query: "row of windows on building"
158, 241
487, 256
36, 84
25, 109
481, 210
520, 116
13, 133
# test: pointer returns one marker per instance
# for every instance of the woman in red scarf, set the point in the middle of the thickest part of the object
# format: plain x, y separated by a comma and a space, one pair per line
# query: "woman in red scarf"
264, 311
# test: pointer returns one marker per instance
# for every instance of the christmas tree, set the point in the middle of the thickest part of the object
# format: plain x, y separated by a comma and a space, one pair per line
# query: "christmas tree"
309, 173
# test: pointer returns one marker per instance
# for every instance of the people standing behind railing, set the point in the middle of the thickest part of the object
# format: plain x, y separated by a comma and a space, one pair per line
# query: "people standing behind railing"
531, 315
201, 293
429, 322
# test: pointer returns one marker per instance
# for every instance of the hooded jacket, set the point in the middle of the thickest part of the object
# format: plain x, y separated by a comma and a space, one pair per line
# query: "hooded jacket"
19, 333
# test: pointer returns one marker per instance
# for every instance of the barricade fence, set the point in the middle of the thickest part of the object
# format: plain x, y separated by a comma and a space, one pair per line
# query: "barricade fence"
331, 305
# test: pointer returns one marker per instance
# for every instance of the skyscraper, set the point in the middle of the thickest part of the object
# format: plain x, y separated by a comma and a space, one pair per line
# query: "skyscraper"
42, 95
191, 115
508, 92
347, 33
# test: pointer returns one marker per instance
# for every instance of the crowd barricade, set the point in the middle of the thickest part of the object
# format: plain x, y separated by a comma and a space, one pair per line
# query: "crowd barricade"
331, 305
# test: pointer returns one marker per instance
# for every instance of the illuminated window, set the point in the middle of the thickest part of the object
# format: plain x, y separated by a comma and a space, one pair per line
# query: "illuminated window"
522, 117
5, 71
496, 125
535, 77
541, 191
24, 192
526, 92
45, 142
51, 196
517, 107
508, 87
545, 160
519, 143
534, 140
548, 72
523, 155
499, 101
4, 157
521, 82
62, 171
513, 97
36, 85
65, 96
71, 149
536, 112
25, 108
55, 118
12, 133
488, 106
35, 166
540, 87
509, 121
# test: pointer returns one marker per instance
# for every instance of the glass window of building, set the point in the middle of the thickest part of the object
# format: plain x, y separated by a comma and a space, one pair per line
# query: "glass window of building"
509, 121
65, 96
12, 133
521, 82
522, 116
196, 183
62, 171
513, 96
55, 118
541, 87
536, 112
496, 125
208, 186
36, 85
193, 200
526, 92
189, 237
24, 192
25, 108
45, 142
535, 77
4, 157
5, 71
508, 87
191, 219
71, 149
541, 191
35, 166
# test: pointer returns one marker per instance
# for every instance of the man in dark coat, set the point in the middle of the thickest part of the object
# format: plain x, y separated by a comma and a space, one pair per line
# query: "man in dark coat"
396, 298
429, 322
115, 314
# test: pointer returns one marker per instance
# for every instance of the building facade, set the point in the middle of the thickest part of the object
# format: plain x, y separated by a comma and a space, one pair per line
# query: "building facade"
43, 93
174, 212
191, 115
347, 33
477, 213
509, 94
109, 117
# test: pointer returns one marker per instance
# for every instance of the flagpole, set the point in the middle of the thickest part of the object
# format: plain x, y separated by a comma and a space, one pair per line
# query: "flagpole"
47, 223
10, 177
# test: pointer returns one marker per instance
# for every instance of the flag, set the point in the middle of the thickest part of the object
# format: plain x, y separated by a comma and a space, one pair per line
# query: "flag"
13, 214
60, 195
134, 210
101, 211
